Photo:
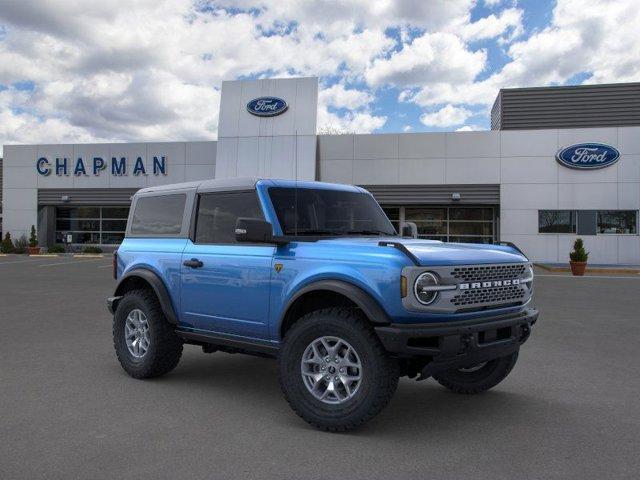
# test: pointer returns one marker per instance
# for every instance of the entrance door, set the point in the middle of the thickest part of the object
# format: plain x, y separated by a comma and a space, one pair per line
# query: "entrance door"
226, 285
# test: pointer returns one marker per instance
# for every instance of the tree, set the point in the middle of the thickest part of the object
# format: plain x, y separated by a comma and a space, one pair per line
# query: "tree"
331, 129
7, 244
33, 238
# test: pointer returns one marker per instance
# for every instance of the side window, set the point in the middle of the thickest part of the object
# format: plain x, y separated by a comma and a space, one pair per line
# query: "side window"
218, 212
159, 215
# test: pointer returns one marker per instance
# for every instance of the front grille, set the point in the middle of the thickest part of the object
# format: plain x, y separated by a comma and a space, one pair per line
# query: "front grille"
511, 293
488, 272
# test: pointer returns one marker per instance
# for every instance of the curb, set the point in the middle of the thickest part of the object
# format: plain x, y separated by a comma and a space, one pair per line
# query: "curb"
88, 255
589, 269
45, 255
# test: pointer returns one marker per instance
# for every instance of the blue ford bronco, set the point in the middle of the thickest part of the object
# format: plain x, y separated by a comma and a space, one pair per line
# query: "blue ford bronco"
315, 275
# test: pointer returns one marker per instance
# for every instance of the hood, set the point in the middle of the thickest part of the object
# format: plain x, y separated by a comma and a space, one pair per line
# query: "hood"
433, 252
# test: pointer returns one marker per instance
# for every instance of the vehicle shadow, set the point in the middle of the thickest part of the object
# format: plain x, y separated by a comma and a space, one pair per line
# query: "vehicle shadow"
418, 408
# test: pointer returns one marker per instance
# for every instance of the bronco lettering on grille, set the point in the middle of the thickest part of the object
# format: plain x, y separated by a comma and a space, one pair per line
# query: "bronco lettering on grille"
494, 283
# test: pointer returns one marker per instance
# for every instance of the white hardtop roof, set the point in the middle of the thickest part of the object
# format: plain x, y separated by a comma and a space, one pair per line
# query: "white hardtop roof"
246, 183
205, 185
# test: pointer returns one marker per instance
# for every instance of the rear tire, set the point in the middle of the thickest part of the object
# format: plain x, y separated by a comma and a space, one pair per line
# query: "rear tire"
161, 348
469, 381
348, 403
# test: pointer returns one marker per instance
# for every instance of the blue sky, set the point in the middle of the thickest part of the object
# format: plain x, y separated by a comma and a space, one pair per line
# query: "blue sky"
77, 71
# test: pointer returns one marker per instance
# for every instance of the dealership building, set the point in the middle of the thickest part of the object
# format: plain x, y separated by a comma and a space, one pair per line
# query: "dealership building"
558, 163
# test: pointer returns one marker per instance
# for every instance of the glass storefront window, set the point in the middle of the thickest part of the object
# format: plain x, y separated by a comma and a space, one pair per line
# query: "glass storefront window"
460, 224
482, 214
91, 225
556, 221
471, 228
618, 221
115, 212
78, 212
470, 239
78, 224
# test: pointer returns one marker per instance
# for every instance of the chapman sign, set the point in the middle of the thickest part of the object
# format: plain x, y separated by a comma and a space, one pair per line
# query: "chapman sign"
588, 156
267, 106
118, 166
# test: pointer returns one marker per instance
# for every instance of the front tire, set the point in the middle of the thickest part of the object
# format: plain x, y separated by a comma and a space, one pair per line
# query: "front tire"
333, 370
479, 378
146, 344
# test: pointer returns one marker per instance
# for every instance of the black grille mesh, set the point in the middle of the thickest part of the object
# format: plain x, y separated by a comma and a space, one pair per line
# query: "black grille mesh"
489, 272
512, 293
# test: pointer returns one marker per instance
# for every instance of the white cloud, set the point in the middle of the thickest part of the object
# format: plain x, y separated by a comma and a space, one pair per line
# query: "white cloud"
433, 57
447, 116
469, 128
407, 128
509, 22
151, 69
357, 119
358, 122
340, 97
596, 38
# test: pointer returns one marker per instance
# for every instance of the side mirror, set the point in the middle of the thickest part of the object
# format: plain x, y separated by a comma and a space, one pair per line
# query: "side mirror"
253, 230
409, 229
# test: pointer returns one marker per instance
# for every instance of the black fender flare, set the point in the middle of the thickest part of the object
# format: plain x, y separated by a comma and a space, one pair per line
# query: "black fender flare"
371, 308
158, 287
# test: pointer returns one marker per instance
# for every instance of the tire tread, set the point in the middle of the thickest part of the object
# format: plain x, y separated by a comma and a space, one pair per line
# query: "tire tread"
388, 376
167, 347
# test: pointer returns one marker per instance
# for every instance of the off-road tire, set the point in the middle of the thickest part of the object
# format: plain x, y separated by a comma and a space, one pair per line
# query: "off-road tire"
380, 373
481, 380
165, 347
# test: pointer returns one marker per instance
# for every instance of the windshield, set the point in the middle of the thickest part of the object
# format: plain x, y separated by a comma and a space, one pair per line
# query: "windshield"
328, 212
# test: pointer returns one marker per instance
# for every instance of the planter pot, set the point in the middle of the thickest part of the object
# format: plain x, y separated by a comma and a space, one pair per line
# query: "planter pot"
578, 268
33, 250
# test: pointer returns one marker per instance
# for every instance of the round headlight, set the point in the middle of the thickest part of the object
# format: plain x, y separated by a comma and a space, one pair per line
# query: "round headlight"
422, 289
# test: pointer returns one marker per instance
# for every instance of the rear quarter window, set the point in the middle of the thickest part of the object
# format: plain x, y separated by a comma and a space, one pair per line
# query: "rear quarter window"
158, 215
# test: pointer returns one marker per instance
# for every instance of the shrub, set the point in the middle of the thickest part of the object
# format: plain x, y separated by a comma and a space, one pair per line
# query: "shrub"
91, 250
7, 244
57, 248
20, 245
579, 254
33, 238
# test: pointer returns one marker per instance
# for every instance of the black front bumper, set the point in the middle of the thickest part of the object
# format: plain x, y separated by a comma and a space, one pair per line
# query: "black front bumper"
447, 346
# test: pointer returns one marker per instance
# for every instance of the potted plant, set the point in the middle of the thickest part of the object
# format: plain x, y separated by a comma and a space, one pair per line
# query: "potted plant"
7, 244
578, 258
33, 249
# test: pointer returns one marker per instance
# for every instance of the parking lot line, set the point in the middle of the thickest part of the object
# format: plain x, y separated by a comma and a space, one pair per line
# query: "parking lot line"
19, 261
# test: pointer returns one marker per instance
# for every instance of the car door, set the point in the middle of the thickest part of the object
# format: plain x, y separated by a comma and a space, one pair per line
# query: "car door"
225, 284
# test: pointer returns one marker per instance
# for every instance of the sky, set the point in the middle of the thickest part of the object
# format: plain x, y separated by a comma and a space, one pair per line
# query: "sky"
75, 71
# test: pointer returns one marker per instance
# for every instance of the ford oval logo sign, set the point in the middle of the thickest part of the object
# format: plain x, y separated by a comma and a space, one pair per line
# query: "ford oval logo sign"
588, 156
267, 106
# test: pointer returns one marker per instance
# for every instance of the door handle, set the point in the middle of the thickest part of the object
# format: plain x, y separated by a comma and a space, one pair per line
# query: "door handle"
193, 263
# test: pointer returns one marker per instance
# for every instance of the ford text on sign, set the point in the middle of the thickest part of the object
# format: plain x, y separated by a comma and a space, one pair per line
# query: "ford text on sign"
588, 156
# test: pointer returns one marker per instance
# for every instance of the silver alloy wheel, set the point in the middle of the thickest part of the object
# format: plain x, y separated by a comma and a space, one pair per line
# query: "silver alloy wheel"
331, 370
473, 368
136, 333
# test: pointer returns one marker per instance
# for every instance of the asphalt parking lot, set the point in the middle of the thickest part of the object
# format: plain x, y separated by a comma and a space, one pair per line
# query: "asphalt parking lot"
570, 409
